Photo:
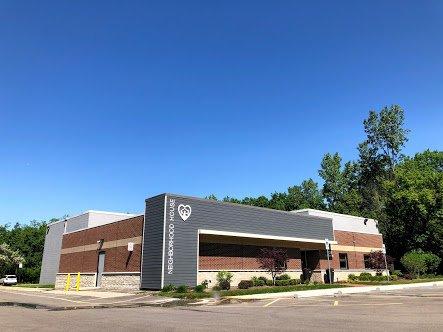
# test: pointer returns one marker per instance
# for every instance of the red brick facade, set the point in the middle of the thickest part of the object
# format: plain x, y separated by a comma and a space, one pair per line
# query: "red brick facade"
80, 249
358, 239
218, 256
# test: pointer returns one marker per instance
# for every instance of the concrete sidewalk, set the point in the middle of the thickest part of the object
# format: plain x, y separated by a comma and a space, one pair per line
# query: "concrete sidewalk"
90, 292
337, 291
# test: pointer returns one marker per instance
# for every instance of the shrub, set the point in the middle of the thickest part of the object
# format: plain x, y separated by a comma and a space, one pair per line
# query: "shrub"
216, 288
294, 281
199, 288
269, 283
379, 278
284, 282
352, 277
245, 284
259, 283
418, 262
283, 277
168, 288
408, 276
397, 273
264, 279
365, 276
224, 285
181, 289
224, 279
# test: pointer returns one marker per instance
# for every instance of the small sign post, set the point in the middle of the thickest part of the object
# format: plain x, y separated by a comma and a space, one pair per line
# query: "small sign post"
383, 249
328, 248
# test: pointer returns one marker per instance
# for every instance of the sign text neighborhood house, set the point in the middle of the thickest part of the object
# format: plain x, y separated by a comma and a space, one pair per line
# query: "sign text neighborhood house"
171, 236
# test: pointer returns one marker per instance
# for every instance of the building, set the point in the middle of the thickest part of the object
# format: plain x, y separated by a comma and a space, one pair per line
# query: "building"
184, 240
54, 236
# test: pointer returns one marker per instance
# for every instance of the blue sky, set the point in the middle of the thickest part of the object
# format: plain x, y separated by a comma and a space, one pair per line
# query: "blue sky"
105, 103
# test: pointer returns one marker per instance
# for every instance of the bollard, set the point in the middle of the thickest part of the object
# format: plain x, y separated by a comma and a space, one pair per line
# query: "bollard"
68, 282
77, 282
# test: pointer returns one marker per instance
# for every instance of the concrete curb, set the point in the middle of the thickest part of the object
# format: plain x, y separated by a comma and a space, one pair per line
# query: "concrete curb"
337, 291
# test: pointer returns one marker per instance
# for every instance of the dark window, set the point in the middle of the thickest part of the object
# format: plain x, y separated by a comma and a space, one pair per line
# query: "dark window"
343, 261
366, 260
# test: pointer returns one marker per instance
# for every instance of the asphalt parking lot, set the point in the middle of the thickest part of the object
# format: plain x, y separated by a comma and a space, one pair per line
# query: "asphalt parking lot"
412, 309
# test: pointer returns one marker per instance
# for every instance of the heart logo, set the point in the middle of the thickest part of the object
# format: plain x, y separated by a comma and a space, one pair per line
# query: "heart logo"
184, 211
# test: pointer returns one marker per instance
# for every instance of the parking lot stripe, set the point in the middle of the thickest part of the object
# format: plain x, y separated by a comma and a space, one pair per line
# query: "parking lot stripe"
272, 302
43, 296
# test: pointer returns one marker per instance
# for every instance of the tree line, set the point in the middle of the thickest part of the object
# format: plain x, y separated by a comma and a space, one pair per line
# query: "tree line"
22, 243
404, 193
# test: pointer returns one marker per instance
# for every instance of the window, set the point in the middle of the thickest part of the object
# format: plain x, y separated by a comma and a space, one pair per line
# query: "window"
366, 260
343, 261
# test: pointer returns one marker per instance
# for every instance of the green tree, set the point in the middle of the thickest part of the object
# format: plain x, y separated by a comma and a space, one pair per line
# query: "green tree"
418, 262
9, 259
414, 205
340, 187
231, 200
378, 155
306, 195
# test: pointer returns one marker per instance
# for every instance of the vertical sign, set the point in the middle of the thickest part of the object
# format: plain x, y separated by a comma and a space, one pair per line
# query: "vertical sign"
328, 248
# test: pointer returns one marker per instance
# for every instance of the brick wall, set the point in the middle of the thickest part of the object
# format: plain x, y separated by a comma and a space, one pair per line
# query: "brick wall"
80, 249
218, 256
358, 239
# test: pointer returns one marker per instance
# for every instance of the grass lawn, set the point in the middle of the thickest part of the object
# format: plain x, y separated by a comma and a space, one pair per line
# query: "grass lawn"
253, 290
33, 286
396, 282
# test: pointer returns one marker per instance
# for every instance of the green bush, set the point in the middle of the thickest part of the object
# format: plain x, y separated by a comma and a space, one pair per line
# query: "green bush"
259, 283
269, 283
224, 285
397, 273
224, 276
265, 280
294, 281
365, 276
216, 288
168, 288
418, 262
284, 282
283, 277
224, 279
352, 277
245, 284
199, 288
181, 289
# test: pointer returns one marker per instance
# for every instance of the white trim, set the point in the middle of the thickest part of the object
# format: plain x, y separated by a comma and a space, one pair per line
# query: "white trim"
198, 257
143, 244
111, 213
262, 236
93, 211
163, 248
331, 213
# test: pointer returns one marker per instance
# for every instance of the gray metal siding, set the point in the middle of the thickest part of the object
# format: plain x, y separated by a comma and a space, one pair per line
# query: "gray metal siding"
213, 215
151, 266
77, 223
51, 253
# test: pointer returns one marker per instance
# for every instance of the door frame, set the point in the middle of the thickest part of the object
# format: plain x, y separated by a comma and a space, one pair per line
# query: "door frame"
98, 266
